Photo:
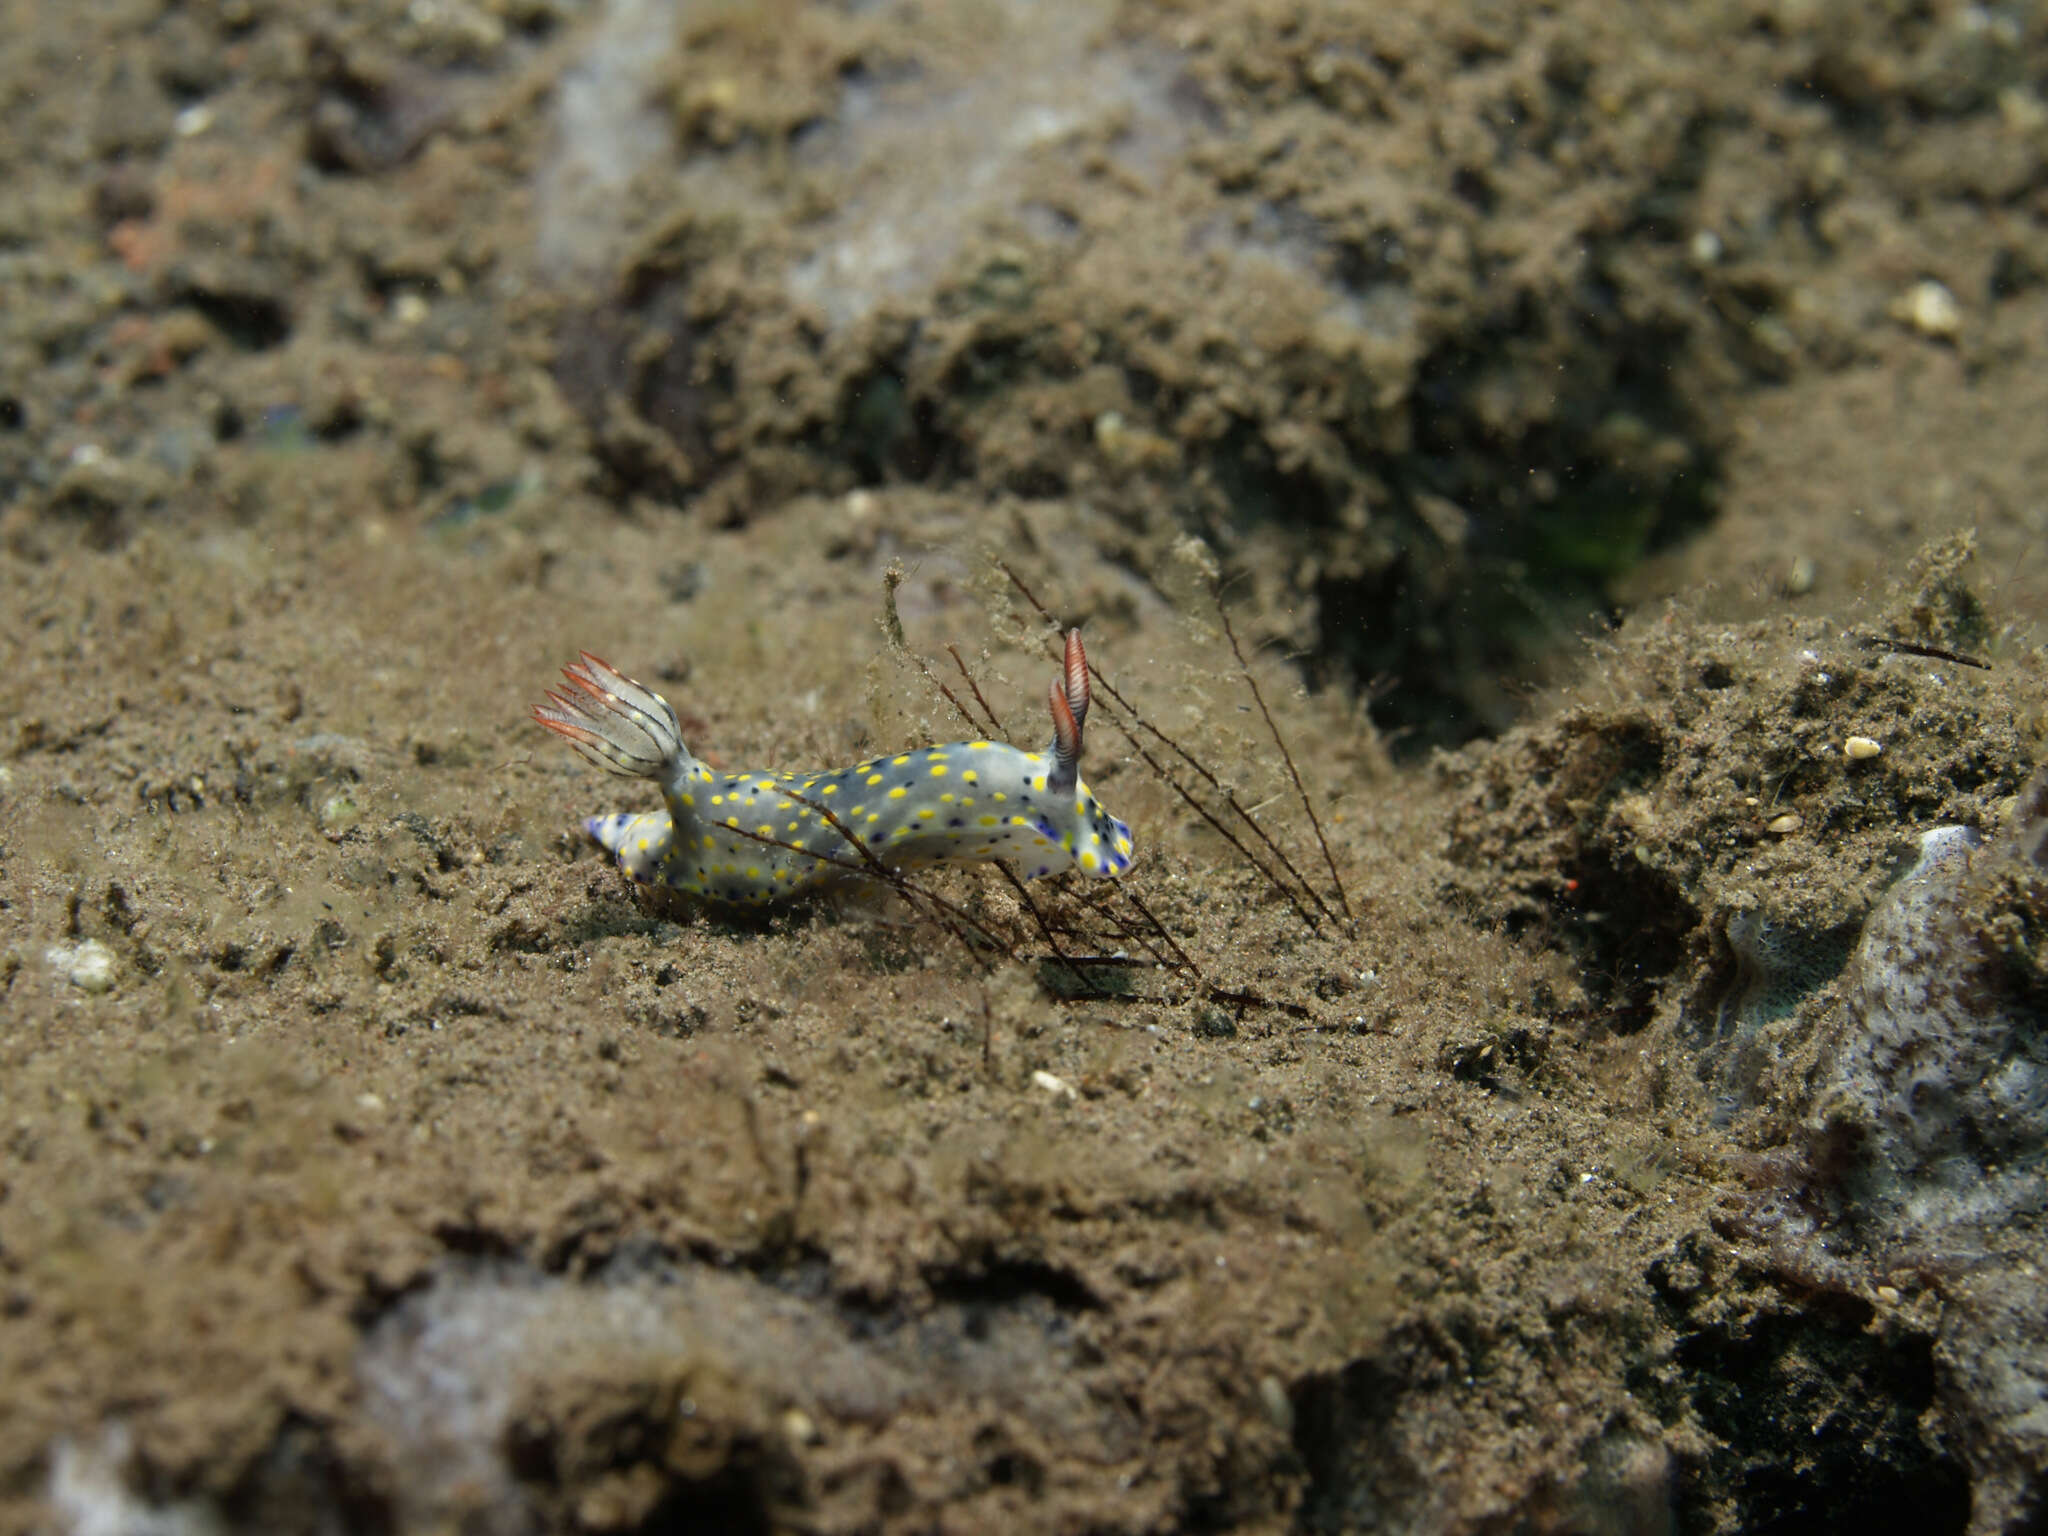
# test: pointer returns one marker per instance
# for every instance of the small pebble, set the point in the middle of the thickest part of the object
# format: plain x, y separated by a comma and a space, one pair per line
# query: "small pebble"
1929, 308
1053, 1085
1799, 577
1861, 747
2021, 110
1278, 1405
1781, 825
338, 812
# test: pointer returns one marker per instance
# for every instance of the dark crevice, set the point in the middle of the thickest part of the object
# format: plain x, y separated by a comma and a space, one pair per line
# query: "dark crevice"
254, 322
1006, 1283
1816, 1426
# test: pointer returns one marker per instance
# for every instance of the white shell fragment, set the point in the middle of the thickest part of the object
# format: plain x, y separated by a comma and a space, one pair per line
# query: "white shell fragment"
88, 966
1860, 748
1059, 1087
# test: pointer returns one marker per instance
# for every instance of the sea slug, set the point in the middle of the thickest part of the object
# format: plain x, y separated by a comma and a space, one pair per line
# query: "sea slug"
764, 836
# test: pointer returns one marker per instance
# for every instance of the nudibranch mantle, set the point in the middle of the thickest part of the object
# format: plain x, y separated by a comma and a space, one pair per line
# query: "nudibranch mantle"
960, 802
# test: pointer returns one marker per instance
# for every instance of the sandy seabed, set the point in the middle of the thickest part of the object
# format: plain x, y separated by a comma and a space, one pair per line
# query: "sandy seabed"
1594, 421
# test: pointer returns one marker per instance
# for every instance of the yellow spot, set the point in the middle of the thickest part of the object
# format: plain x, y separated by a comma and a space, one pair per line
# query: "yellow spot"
707, 840
945, 799
938, 770
643, 845
792, 826
1016, 821
1089, 861
688, 798
732, 821
874, 815
1067, 842
783, 805
765, 830
718, 799
897, 793
1039, 782
809, 782
874, 778
1000, 795
753, 871
971, 776
986, 821
1039, 842
1123, 845
979, 746
831, 789
926, 814
900, 761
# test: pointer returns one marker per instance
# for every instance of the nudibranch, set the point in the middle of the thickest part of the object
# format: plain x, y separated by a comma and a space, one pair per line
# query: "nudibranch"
766, 836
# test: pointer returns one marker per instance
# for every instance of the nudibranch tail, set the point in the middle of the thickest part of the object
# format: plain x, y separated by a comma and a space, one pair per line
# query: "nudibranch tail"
616, 723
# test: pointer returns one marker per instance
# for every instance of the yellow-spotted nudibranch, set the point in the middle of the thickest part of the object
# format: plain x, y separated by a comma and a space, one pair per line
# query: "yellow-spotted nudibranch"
961, 802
